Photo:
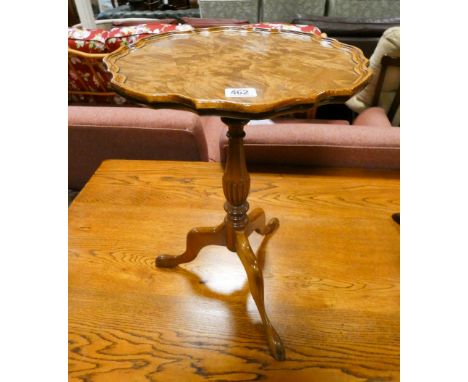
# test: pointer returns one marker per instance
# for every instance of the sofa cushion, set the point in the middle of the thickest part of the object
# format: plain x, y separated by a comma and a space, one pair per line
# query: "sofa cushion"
215, 130
87, 40
118, 37
321, 145
99, 133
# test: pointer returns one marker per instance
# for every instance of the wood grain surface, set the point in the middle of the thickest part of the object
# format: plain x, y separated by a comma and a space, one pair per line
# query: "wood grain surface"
331, 277
194, 68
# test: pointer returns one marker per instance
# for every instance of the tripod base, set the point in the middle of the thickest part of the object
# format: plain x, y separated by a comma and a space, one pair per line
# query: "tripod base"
236, 240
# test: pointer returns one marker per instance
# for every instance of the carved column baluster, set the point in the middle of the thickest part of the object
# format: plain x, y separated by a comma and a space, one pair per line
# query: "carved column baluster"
236, 179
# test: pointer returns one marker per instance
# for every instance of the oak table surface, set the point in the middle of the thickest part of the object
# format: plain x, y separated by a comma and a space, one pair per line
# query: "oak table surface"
331, 277
193, 69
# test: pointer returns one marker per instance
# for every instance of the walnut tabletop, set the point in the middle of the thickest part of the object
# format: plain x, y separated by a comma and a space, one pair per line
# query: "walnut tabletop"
237, 71
331, 277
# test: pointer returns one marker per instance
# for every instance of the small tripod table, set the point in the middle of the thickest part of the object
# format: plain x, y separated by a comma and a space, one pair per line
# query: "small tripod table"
239, 74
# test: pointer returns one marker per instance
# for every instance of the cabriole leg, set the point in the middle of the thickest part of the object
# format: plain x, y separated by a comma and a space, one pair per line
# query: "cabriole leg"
197, 238
255, 277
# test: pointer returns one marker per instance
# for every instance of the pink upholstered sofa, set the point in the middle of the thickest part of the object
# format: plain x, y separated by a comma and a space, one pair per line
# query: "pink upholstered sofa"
97, 133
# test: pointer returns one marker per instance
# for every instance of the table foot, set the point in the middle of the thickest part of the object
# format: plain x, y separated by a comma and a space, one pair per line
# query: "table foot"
255, 277
197, 238
257, 223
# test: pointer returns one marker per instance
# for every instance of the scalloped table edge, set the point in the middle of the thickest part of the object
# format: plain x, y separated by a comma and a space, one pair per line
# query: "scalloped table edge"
236, 109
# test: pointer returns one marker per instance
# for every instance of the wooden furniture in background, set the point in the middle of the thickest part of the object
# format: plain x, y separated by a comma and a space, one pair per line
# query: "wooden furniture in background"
240, 74
73, 17
100, 87
387, 61
331, 277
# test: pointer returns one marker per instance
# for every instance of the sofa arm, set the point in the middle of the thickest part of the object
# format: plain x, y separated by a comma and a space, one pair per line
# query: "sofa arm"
321, 145
373, 116
99, 133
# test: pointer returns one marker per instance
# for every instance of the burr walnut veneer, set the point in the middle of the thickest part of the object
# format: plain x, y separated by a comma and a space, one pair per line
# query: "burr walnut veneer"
240, 74
290, 71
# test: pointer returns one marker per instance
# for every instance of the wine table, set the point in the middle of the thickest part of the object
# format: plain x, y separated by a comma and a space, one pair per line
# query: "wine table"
239, 74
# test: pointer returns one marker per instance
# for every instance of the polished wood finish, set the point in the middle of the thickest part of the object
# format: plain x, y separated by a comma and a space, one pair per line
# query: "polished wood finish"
387, 61
73, 17
291, 71
234, 231
236, 179
331, 275
255, 277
